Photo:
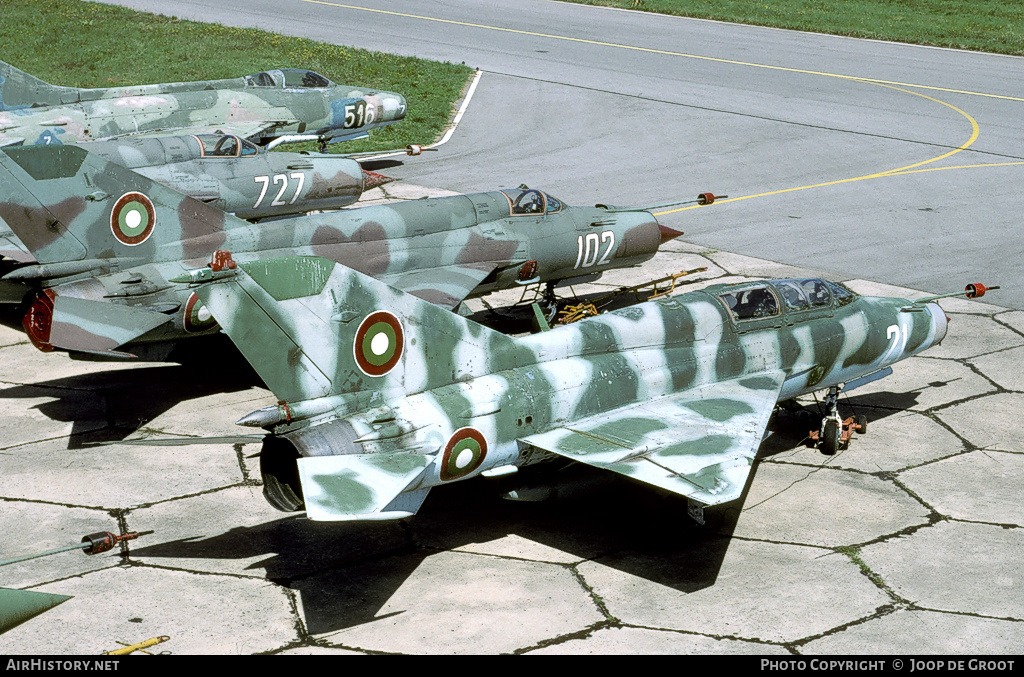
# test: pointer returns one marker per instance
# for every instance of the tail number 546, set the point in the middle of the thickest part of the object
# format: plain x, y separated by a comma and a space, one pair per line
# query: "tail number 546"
588, 248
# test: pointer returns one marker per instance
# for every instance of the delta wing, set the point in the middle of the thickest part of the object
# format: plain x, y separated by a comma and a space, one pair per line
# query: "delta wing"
698, 443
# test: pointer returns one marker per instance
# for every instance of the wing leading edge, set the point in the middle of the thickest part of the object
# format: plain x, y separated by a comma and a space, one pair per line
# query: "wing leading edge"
699, 443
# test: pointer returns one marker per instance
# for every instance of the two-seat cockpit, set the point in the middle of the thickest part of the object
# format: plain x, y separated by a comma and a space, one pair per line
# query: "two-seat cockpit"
288, 78
792, 297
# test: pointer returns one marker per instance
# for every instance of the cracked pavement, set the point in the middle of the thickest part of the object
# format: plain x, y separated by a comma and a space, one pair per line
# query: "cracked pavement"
908, 541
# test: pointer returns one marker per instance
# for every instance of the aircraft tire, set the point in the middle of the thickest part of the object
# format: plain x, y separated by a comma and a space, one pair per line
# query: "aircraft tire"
862, 421
830, 438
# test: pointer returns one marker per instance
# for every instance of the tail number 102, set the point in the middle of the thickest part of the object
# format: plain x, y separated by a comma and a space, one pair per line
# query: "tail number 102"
588, 248
279, 180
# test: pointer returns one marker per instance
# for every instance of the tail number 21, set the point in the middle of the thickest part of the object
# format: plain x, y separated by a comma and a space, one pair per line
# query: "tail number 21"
587, 247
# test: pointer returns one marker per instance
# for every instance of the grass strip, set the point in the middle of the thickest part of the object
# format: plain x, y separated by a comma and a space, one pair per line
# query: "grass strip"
85, 44
979, 25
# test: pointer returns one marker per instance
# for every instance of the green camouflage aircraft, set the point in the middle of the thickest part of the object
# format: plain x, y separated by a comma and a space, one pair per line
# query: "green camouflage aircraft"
383, 396
234, 175
114, 248
298, 103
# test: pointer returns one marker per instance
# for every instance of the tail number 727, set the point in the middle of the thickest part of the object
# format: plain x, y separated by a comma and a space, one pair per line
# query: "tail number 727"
281, 180
588, 246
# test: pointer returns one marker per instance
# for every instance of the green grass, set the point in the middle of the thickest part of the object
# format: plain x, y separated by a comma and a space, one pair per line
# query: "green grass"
84, 44
980, 25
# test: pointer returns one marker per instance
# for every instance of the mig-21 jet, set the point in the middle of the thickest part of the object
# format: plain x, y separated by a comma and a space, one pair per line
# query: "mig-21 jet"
114, 248
260, 107
234, 175
382, 396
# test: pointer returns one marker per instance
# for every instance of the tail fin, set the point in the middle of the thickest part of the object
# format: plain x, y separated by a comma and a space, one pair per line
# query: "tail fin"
18, 89
312, 328
66, 204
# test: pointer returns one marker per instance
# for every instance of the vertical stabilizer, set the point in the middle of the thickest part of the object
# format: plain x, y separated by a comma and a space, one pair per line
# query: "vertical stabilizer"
18, 89
66, 204
311, 328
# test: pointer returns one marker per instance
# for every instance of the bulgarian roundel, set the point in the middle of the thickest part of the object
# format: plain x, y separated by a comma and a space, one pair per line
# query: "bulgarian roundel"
378, 344
463, 454
132, 219
197, 317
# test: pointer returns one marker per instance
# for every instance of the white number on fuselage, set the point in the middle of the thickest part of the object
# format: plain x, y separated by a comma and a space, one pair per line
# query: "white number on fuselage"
279, 180
589, 246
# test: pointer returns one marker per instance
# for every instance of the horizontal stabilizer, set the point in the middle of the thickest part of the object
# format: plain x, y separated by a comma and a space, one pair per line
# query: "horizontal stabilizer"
698, 443
97, 326
362, 486
12, 248
18, 606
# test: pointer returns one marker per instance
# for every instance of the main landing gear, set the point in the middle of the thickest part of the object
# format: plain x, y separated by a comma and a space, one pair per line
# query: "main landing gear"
836, 431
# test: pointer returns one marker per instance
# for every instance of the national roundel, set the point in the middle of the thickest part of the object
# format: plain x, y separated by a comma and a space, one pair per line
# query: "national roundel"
197, 317
132, 219
465, 451
378, 343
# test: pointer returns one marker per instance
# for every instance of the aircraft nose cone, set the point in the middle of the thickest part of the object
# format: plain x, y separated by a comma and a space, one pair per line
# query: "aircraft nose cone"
668, 233
373, 179
395, 107
940, 322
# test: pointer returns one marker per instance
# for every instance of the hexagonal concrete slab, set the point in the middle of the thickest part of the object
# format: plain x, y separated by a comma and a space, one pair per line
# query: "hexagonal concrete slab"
954, 566
988, 422
97, 477
980, 486
734, 588
818, 505
201, 614
641, 641
923, 633
1003, 367
35, 528
445, 603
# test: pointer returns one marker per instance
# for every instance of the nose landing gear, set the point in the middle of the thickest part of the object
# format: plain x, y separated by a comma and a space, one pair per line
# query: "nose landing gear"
836, 431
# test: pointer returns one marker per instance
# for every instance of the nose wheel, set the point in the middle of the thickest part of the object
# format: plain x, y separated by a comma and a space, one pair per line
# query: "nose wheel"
836, 432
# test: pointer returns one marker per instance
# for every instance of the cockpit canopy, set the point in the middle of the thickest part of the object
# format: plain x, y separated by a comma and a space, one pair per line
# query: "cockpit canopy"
224, 145
531, 201
768, 298
288, 78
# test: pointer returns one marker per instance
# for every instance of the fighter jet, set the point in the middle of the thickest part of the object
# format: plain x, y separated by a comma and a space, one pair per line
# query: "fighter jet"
234, 175
383, 397
260, 107
114, 248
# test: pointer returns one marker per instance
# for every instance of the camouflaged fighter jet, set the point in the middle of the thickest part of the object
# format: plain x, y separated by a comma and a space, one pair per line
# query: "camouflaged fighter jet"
383, 396
260, 107
234, 175
113, 248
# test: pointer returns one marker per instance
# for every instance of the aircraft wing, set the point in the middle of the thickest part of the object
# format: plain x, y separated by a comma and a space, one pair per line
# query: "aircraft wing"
362, 486
698, 443
445, 286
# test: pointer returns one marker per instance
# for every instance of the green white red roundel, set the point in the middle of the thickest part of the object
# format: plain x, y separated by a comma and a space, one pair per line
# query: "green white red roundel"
378, 344
463, 454
197, 317
132, 219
